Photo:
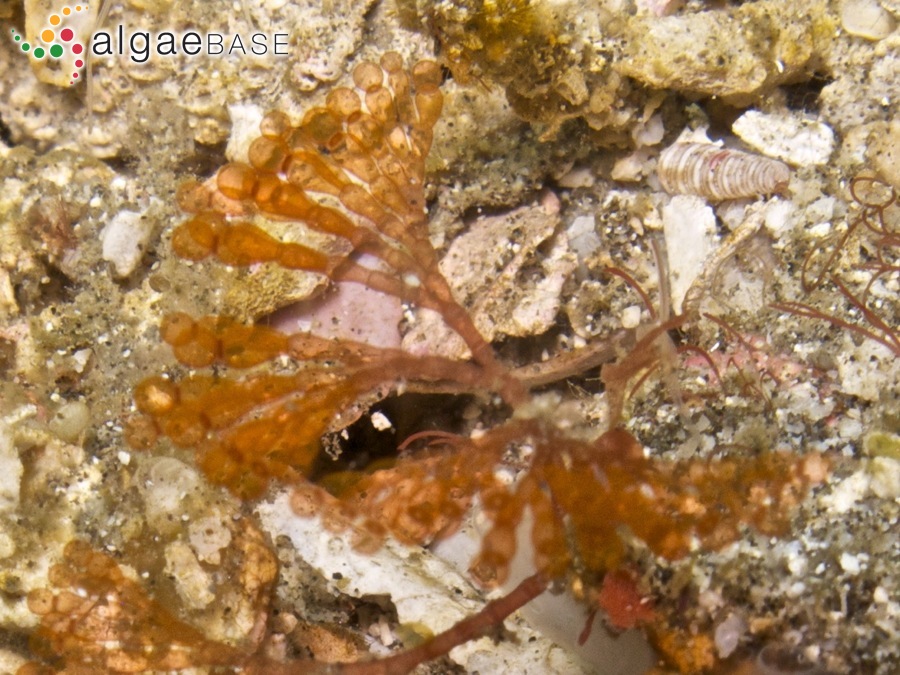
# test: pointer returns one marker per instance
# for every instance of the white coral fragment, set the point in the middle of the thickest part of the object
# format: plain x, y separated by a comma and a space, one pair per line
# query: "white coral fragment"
690, 230
496, 271
884, 151
10, 470
192, 582
785, 136
164, 482
245, 119
208, 536
124, 239
419, 585
867, 371
583, 237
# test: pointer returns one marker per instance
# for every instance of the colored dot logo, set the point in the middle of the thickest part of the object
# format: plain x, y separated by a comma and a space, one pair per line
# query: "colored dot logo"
56, 39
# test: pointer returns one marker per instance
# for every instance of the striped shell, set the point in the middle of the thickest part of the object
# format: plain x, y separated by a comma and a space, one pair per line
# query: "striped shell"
717, 173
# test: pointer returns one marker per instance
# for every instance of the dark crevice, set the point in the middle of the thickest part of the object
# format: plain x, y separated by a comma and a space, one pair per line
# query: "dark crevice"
804, 96
6, 134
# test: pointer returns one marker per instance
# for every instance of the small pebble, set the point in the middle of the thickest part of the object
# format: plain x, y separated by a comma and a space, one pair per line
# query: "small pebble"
850, 563
124, 240
631, 316
867, 19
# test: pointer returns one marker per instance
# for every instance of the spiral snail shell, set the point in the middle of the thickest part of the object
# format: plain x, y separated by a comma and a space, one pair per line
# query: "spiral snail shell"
718, 173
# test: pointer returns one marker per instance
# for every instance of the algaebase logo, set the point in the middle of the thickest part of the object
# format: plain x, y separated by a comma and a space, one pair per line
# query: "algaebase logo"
57, 37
